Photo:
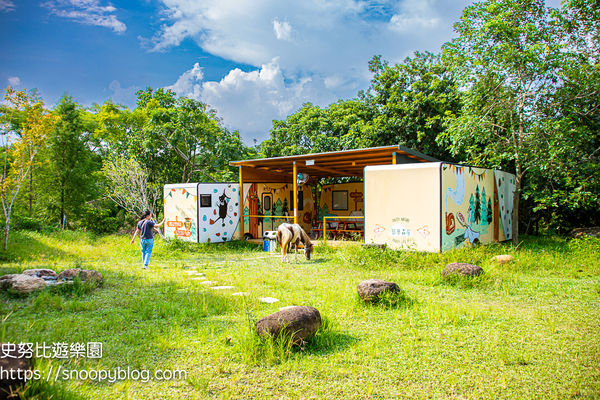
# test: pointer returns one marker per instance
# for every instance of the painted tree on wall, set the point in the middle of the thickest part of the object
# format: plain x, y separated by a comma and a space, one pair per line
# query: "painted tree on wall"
484, 212
477, 210
490, 214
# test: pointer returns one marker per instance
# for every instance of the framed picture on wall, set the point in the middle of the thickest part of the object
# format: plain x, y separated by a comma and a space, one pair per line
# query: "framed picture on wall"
339, 200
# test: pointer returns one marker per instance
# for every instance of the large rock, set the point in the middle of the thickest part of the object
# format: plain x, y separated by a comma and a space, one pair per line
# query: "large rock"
69, 274
462, 269
20, 283
84, 275
579, 233
40, 273
503, 258
297, 322
371, 289
12, 359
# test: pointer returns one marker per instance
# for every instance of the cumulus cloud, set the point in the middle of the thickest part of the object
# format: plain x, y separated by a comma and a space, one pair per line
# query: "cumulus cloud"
87, 12
189, 83
14, 81
321, 49
416, 14
283, 30
249, 101
123, 95
7, 6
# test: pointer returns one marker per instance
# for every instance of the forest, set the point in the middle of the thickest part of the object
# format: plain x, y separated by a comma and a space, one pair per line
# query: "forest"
518, 88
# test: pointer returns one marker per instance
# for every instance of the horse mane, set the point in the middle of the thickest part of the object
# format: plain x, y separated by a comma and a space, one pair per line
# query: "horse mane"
305, 238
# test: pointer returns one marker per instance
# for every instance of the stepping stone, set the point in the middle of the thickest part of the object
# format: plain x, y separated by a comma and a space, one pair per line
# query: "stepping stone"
268, 300
199, 278
194, 273
240, 294
222, 287
208, 282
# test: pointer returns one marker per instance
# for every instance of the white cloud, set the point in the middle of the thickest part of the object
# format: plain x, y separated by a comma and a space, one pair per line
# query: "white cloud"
123, 95
189, 83
321, 49
7, 6
283, 30
416, 14
87, 12
14, 81
249, 101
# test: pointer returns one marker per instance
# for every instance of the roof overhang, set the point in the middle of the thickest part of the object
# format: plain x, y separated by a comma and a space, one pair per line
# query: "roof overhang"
346, 163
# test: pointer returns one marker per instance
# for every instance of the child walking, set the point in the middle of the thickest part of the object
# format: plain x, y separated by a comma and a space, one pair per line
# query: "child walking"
145, 228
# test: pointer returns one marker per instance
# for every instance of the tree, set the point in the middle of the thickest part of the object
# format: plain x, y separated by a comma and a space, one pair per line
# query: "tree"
346, 124
412, 99
506, 59
22, 143
129, 185
66, 177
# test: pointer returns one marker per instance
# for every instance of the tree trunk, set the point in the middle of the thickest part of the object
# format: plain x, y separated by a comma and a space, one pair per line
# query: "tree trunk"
6, 229
30, 191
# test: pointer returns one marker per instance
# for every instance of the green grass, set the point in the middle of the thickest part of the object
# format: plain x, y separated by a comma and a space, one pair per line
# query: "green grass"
526, 329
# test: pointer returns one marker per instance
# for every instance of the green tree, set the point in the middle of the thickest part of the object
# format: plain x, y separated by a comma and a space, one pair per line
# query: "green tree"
343, 125
67, 176
506, 58
22, 142
412, 99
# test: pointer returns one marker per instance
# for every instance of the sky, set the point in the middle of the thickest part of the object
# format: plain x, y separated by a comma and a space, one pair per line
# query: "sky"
252, 60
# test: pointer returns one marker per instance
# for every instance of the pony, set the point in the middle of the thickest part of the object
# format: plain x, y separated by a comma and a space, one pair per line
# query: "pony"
288, 234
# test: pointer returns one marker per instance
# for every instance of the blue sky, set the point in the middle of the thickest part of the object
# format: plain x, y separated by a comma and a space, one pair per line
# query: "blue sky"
251, 60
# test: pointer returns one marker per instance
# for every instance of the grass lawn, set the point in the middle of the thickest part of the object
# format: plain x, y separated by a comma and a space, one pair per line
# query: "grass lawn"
527, 329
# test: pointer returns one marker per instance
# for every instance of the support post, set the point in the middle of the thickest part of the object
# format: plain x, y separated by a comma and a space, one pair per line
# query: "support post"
394, 158
295, 178
241, 204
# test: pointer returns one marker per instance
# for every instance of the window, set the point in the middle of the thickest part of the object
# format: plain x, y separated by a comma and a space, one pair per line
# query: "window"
266, 202
300, 199
339, 200
205, 200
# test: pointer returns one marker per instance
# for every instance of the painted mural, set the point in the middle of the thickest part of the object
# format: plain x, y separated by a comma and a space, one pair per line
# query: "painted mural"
341, 199
505, 187
467, 215
272, 201
180, 208
218, 211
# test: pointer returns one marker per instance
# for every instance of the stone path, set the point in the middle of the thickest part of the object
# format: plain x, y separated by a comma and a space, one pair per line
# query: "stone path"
194, 275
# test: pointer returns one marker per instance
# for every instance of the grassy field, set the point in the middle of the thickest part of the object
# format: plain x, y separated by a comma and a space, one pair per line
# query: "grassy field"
527, 329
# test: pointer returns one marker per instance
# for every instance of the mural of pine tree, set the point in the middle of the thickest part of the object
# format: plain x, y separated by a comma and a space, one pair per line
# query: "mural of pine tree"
471, 210
490, 216
477, 206
483, 207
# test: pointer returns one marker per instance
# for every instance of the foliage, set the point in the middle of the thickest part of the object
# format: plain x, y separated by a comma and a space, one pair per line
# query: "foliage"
412, 99
22, 143
129, 185
67, 178
507, 59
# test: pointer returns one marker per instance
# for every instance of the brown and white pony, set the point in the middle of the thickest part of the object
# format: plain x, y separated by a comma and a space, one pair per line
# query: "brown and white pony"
288, 234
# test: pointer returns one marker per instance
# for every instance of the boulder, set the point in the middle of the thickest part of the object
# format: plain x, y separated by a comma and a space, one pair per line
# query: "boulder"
503, 258
69, 274
40, 273
371, 289
579, 233
12, 359
90, 275
20, 283
84, 275
297, 322
462, 269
